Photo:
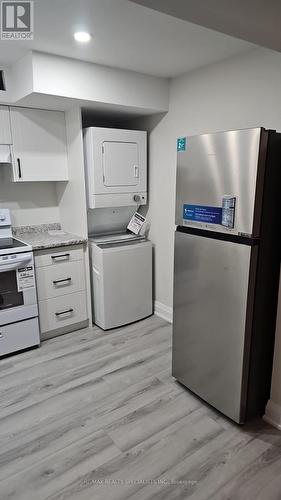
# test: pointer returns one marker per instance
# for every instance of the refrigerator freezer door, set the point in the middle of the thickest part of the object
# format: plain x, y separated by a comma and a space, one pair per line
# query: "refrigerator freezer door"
216, 165
210, 302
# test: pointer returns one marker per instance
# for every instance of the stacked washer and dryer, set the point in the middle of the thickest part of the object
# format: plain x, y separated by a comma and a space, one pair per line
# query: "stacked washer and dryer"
120, 261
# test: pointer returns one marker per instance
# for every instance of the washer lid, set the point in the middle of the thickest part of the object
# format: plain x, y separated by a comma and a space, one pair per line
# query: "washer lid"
116, 238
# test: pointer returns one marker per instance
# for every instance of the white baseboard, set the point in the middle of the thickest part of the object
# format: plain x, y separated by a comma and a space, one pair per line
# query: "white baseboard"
163, 311
273, 414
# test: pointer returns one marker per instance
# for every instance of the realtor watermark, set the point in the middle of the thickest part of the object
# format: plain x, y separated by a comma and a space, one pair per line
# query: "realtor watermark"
143, 482
17, 20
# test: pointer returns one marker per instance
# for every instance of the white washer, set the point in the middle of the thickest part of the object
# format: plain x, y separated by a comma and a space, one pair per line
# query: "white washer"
121, 270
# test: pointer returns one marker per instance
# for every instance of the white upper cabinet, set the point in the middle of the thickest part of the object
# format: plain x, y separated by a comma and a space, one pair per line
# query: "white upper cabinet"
39, 145
5, 126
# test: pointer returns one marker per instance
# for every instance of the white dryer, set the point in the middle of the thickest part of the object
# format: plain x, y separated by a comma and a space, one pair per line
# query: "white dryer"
115, 167
121, 271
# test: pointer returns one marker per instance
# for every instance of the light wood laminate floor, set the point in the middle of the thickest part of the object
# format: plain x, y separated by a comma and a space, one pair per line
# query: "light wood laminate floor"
96, 415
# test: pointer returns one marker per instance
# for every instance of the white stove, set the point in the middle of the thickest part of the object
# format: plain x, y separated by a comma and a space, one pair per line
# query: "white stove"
19, 328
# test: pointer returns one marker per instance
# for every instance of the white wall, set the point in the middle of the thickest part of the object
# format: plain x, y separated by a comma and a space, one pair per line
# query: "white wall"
75, 79
18, 80
39, 79
71, 194
241, 92
30, 203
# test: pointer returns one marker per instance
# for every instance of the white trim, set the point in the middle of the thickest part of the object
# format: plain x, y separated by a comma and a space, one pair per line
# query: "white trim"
273, 414
163, 311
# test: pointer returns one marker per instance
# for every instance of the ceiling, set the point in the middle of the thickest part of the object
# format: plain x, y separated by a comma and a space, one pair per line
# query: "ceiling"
125, 35
257, 21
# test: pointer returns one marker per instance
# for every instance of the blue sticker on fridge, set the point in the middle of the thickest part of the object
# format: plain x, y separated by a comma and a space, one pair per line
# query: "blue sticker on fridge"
181, 144
202, 213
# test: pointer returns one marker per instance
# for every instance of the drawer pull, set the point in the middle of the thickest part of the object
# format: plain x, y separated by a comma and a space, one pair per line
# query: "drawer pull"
64, 312
62, 256
56, 282
19, 167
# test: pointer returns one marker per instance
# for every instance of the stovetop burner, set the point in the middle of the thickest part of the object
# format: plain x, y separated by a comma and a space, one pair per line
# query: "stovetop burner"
11, 243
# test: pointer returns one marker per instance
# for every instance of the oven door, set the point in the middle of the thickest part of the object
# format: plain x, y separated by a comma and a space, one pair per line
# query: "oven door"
17, 288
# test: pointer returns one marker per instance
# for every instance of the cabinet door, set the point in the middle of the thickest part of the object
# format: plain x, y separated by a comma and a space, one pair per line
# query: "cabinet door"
39, 140
5, 127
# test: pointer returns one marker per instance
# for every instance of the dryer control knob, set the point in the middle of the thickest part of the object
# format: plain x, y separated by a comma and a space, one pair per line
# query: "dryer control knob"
137, 197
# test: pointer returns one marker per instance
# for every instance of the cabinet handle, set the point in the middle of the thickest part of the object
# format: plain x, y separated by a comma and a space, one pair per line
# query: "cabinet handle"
61, 281
19, 167
62, 256
64, 312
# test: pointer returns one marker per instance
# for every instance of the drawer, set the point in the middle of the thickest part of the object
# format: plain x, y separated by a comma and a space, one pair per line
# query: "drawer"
58, 256
54, 281
62, 311
19, 336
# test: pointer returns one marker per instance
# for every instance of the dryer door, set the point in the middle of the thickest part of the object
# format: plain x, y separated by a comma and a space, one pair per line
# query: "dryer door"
120, 163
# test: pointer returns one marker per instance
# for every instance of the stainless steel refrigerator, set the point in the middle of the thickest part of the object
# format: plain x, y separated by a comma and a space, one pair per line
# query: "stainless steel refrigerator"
226, 272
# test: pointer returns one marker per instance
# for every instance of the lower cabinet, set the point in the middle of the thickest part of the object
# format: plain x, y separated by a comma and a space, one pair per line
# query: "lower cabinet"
61, 289
62, 311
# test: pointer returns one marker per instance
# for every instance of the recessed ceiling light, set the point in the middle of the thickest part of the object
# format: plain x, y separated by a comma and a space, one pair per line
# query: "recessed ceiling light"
82, 36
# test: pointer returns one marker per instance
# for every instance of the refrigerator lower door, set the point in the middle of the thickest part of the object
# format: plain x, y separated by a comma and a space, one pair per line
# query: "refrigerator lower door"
210, 340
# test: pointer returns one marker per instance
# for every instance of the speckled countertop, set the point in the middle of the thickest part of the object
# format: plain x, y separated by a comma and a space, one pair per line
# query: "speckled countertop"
47, 236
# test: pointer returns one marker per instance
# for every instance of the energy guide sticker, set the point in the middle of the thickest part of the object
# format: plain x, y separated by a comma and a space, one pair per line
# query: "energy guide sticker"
25, 278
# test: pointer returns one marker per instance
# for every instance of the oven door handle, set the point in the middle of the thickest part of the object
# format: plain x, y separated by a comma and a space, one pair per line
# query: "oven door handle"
15, 265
